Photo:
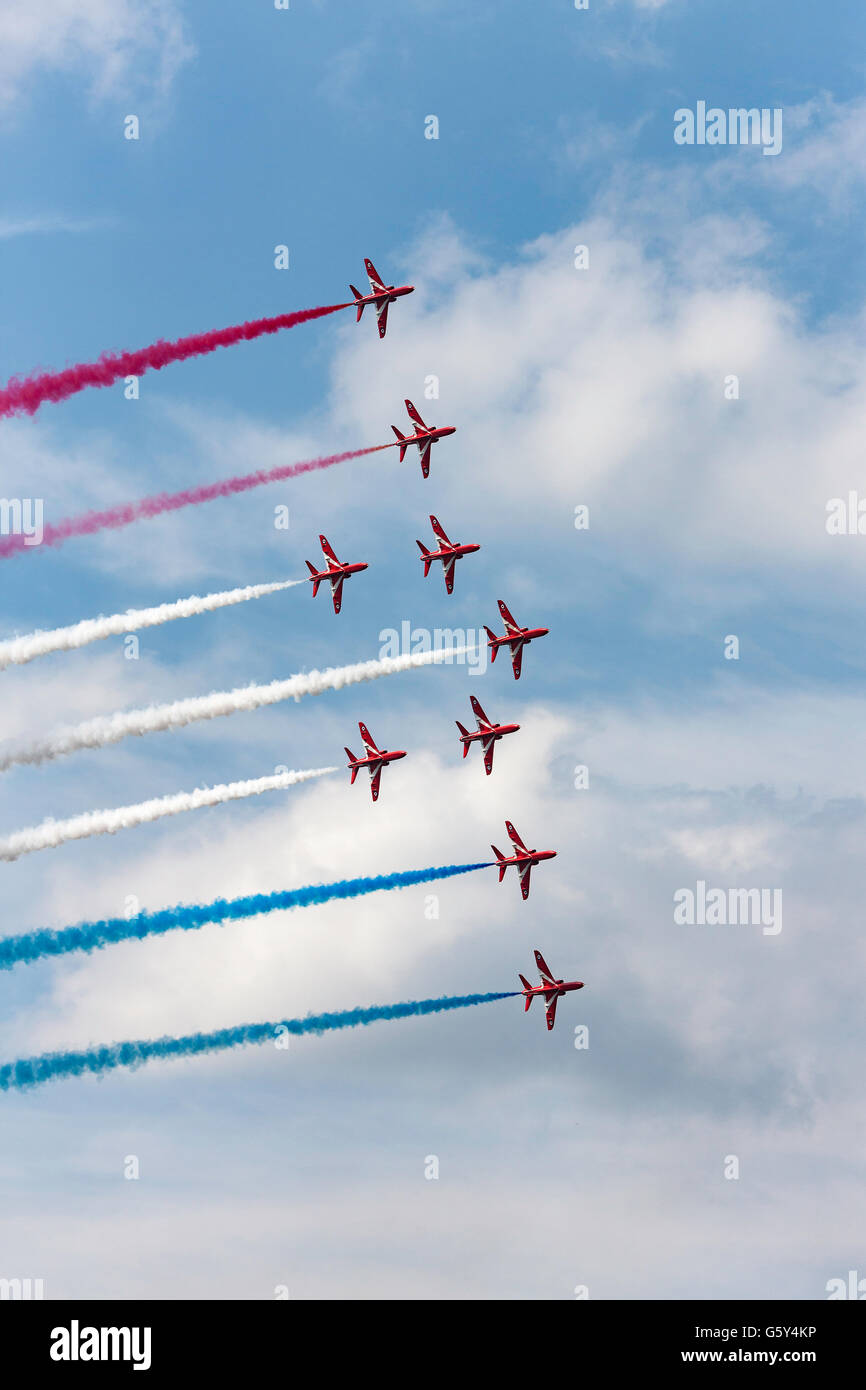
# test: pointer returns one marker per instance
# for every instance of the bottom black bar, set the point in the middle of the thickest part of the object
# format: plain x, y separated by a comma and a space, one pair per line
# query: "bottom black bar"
67, 1338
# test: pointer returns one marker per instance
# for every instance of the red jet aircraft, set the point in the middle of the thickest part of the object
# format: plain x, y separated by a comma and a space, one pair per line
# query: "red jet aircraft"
487, 733
425, 437
335, 573
375, 760
550, 989
515, 637
449, 553
380, 294
522, 857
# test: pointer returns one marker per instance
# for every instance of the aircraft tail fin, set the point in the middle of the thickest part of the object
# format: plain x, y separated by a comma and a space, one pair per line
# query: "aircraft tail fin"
316, 579
529, 997
500, 859
465, 733
493, 650
404, 443
428, 558
357, 294
353, 764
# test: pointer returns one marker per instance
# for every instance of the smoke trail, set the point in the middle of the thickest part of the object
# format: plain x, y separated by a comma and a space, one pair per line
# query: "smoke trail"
127, 512
91, 936
52, 833
53, 1066
111, 728
24, 395
17, 651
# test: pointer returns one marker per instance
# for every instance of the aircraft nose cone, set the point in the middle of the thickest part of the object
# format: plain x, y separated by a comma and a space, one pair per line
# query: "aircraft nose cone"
363, 567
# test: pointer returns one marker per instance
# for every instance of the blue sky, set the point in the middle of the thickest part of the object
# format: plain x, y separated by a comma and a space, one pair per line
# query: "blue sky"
558, 1167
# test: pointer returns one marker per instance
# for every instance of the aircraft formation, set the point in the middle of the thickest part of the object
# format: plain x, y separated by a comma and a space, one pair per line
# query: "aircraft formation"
514, 637
25, 396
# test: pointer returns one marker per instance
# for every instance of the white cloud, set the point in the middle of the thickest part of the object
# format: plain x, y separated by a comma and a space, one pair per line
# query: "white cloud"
107, 39
602, 386
641, 4
827, 154
623, 850
47, 223
287, 961
346, 72
636, 1193
595, 139
679, 1019
607, 386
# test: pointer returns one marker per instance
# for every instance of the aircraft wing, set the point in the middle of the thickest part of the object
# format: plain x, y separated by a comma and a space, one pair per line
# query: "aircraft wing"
425, 458
514, 837
517, 658
377, 284
327, 549
337, 592
488, 744
544, 968
483, 721
448, 567
438, 528
524, 870
510, 624
550, 1013
375, 778
382, 312
369, 743
413, 415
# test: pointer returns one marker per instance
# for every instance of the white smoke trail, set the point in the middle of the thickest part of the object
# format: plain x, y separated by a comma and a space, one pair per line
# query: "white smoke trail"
52, 833
111, 728
16, 651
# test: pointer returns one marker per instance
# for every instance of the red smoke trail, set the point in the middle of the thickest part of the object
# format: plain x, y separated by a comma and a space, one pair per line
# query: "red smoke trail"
24, 395
128, 512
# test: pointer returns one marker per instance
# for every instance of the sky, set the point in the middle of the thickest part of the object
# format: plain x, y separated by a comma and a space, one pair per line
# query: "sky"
708, 1142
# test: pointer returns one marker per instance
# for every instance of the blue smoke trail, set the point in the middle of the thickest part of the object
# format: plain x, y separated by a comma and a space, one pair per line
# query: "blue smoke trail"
90, 936
53, 1066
